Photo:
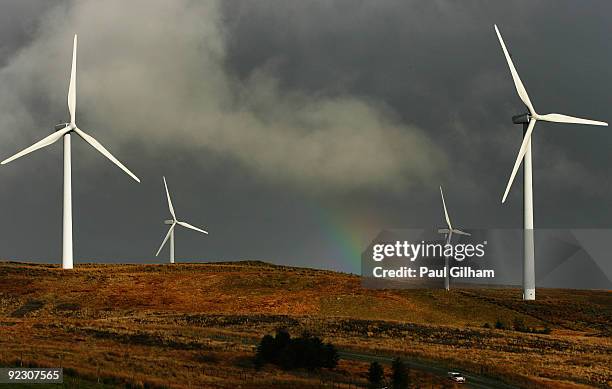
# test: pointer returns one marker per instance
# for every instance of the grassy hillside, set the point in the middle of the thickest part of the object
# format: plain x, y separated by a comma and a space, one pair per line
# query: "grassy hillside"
177, 325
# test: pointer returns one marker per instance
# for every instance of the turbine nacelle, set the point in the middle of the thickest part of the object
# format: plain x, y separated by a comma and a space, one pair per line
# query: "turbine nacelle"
446, 231
521, 119
169, 222
61, 126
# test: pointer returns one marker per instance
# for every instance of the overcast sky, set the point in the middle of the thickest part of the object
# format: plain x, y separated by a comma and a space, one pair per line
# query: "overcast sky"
294, 131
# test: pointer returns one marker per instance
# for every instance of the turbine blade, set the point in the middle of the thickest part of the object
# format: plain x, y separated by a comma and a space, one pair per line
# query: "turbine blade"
39, 145
165, 239
520, 88
187, 225
72, 87
456, 231
450, 227
96, 145
169, 200
520, 156
559, 118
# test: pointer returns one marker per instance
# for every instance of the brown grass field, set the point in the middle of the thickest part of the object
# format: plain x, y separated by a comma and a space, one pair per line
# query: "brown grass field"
196, 325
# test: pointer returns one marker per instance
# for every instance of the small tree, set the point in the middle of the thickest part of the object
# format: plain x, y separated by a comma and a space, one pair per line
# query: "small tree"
500, 325
399, 375
375, 375
288, 358
259, 360
330, 356
282, 339
266, 350
519, 325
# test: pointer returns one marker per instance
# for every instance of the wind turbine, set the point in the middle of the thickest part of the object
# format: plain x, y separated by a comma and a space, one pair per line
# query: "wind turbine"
173, 224
63, 131
448, 232
528, 121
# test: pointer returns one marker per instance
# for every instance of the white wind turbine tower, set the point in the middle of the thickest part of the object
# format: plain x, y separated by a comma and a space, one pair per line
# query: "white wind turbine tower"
173, 224
448, 232
63, 131
528, 121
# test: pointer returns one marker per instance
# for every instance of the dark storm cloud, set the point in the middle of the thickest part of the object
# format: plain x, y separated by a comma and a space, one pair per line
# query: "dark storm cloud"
18, 22
166, 83
273, 119
440, 66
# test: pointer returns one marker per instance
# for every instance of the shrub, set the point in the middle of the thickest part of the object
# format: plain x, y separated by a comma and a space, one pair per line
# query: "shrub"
500, 325
519, 325
265, 350
306, 351
375, 375
331, 356
486, 325
400, 374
